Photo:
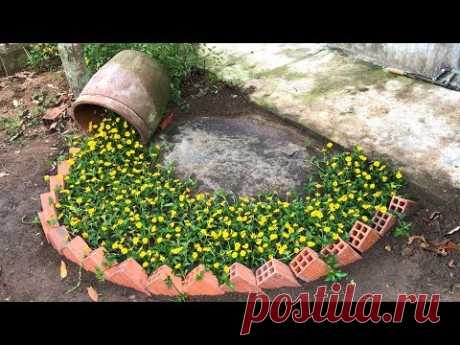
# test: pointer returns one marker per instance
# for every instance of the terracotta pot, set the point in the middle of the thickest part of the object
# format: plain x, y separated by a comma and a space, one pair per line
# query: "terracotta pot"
132, 85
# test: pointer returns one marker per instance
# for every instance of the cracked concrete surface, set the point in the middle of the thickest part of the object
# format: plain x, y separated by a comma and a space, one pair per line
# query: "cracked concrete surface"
248, 156
415, 124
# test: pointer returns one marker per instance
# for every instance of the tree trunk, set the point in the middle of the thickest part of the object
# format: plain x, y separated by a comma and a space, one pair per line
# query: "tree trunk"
73, 63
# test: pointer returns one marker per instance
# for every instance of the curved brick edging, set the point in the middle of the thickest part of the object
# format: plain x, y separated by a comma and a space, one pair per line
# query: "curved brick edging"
307, 265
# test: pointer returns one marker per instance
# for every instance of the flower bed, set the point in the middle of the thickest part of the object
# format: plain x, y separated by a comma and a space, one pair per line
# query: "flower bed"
118, 195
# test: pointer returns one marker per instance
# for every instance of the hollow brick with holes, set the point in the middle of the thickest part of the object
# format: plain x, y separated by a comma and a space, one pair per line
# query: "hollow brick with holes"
128, 274
63, 168
362, 236
344, 253
401, 205
201, 282
164, 282
95, 261
274, 274
242, 279
56, 183
76, 250
308, 266
383, 222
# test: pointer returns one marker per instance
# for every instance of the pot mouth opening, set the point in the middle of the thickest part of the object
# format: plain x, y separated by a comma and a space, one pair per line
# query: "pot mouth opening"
85, 113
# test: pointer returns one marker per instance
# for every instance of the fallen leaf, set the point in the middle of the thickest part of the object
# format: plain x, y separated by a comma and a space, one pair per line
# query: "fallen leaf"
415, 237
388, 248
63, 270
15, 103
3, 174
451, 264
92, 293
53, 114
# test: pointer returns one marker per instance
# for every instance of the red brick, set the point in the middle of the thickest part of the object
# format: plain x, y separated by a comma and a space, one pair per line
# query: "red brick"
383, 222
47, 228
401, 205
362, 236
308, 266
344, 253
56, 182
95, 260
201, 282
76, 250
63, 168
242, 279
59, 238
157, 282
274, 274
128, 274
48, 209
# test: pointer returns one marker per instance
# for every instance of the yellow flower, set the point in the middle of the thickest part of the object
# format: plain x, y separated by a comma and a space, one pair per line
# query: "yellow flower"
311, 244
318, 214
398, 175
124, 251
176, 250
329, 145
138, 225
376, 164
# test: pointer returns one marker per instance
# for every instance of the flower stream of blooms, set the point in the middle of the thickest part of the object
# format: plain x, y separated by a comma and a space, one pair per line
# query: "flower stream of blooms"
120, 196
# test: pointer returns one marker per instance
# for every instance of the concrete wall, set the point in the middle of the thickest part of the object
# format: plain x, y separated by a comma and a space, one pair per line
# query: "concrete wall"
421, 58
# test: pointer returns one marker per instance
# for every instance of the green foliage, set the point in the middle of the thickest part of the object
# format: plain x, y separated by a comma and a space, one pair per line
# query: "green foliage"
334, 274
178, 58
10, 124
42, 56
99, 275
403, 230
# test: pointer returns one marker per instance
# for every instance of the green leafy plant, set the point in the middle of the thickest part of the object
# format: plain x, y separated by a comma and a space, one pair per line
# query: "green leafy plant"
43, 56
403, 229
10, 124
99, 274
334, 274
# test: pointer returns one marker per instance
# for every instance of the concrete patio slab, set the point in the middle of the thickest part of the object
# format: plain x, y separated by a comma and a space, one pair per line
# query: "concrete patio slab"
413, 123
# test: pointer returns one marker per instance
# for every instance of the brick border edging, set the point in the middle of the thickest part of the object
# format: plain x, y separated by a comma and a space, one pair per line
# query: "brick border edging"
307, 265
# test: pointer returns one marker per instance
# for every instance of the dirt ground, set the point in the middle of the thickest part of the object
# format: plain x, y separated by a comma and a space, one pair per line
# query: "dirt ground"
217, 117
